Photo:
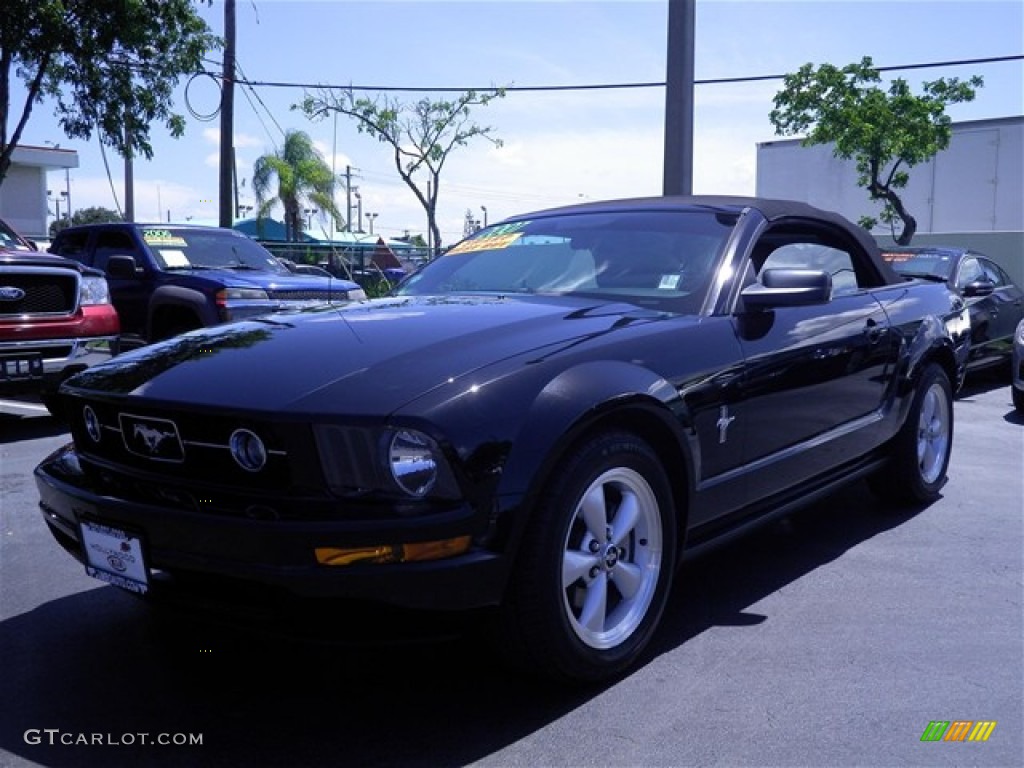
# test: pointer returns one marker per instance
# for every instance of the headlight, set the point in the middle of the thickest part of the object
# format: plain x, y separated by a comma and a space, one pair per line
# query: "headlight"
250, 294
356, 294
93, 290
396, 460
413, 458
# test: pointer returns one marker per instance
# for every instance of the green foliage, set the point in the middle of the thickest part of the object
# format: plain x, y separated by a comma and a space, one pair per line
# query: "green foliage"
884, 132
302, 177
94, 215
421, 135
377, 287
91, 215
110, 66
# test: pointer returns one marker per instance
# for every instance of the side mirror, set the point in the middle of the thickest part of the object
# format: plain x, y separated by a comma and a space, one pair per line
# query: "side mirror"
979, 288
788, 288
122, 267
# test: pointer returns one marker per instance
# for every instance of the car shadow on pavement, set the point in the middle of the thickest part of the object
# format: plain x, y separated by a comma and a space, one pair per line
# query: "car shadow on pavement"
14, 428
717, 588
101, 665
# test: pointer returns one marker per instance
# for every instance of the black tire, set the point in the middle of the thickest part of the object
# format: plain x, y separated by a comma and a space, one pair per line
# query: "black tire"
1018, 398
595, 564
920, 453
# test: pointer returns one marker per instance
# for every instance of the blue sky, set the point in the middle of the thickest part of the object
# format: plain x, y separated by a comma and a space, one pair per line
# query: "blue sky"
559, 147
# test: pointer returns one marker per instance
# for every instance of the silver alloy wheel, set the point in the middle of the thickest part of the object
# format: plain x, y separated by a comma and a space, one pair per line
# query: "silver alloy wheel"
933, 433
612, 558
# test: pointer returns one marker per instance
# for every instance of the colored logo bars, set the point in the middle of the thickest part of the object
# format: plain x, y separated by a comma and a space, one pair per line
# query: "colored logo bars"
958, 730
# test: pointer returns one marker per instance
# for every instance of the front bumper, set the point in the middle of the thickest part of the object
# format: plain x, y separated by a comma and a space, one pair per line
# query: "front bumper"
40, 365
205, 553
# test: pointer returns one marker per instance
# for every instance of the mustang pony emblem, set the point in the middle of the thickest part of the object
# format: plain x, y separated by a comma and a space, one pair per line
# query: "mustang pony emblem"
151, 437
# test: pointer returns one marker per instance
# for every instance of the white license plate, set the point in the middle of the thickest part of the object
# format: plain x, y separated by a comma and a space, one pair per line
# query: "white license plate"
114, 556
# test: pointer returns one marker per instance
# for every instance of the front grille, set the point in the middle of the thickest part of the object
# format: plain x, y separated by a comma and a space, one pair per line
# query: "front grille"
185, 447
303, 295
45, 291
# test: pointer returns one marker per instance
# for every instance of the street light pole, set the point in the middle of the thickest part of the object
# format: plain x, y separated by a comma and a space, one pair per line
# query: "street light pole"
370, 217
484, 209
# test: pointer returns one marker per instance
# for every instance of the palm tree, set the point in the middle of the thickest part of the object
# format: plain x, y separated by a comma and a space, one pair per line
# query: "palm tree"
303, 177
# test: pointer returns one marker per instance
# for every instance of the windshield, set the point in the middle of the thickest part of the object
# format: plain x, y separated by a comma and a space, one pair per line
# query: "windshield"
918, 263
659, 259
185, 248
11, 239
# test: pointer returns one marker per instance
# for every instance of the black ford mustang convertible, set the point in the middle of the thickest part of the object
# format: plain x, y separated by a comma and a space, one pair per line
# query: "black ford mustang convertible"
540, 424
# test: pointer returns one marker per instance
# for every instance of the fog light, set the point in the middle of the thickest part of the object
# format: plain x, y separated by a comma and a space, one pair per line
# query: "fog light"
248, 450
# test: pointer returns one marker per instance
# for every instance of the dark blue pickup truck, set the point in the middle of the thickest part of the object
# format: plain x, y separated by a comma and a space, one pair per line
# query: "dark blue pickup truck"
167, 279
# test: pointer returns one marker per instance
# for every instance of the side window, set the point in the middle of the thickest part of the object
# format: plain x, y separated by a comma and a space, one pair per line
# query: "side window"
994, 273
811, 255
72, 245
112, 242
970, 271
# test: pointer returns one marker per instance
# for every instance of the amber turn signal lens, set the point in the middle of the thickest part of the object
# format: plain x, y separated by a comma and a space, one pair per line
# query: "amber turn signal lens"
399, 553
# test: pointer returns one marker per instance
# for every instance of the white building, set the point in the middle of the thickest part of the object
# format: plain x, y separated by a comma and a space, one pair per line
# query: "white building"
24, 200
971, 193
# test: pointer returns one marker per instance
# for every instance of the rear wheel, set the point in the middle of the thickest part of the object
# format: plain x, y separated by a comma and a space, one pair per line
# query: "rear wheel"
1018, 398
595, 565
920, 454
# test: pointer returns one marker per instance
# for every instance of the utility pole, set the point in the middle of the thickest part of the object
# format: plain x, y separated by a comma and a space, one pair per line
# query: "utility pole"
129, 172
348, 193
678, 160
227, 121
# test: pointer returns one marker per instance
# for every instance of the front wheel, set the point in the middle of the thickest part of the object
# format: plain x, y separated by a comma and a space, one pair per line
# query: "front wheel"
920, 452
595, 564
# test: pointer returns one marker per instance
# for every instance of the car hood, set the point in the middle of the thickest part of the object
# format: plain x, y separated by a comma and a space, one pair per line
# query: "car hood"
366, 358
17, 258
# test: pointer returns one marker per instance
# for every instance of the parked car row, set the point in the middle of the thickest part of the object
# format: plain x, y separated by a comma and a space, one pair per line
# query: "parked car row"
536, 427
164, 280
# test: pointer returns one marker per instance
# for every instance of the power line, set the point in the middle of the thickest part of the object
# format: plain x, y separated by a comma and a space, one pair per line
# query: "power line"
604, 86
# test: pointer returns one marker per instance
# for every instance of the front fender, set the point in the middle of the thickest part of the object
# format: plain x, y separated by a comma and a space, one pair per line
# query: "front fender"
187, 298
590, 396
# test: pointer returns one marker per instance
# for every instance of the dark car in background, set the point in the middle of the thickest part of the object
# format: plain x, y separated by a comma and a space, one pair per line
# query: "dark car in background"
1017, 375
56, 319
996, 304
535, 427
166, 279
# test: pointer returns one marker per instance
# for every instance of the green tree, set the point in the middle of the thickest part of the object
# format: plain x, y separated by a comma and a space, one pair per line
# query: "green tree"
91, 215
110, 66
885, 132
302, 177
421, 135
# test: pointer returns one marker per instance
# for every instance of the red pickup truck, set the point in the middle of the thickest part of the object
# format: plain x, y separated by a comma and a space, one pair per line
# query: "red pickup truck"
55, 319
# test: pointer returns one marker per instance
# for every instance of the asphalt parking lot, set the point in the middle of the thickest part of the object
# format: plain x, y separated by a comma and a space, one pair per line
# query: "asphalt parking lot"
834, 638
